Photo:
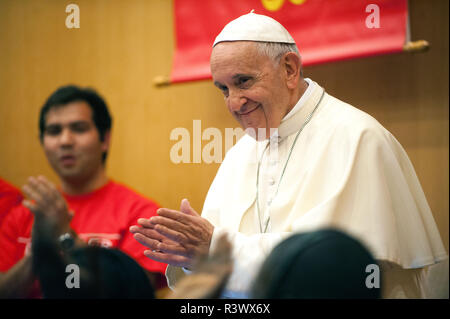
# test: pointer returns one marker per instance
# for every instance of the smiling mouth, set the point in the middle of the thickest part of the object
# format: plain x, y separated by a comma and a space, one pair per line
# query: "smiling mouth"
248, 112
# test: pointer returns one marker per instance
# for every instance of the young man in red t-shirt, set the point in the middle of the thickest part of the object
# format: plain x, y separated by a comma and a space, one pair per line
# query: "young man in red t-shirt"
89, 208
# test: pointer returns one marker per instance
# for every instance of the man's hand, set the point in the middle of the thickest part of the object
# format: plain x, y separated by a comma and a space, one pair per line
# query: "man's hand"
175, 237
210, 274
46, 202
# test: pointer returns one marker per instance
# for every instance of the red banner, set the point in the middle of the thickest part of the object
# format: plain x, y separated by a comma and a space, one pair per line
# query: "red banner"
324, 30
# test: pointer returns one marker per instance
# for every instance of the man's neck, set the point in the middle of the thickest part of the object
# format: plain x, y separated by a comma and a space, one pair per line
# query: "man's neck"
84, 186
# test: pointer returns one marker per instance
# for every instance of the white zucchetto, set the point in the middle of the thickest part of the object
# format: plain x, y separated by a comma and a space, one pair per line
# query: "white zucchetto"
254, 27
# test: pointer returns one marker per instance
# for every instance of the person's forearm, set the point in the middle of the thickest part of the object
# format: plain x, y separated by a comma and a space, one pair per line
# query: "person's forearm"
18, 281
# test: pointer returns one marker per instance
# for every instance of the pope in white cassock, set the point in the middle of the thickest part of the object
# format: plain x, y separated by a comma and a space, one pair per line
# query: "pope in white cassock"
319, 162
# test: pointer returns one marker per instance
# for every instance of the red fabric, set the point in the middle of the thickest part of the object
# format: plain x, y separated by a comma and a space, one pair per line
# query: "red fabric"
101, 218
324, 30
10, 196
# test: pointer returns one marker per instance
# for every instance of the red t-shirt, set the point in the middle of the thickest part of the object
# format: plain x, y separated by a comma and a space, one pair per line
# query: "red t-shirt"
10, 196
102, 217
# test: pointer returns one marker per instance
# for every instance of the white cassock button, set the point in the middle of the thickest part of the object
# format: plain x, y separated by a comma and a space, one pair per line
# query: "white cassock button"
271, 182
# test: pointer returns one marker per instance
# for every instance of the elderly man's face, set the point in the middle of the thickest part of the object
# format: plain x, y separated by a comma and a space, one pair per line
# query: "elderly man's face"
254, 87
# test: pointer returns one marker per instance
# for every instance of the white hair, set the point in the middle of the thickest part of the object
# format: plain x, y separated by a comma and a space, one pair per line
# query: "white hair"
275, 50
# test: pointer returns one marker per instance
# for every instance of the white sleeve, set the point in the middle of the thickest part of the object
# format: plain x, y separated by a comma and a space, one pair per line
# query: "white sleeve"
249, 253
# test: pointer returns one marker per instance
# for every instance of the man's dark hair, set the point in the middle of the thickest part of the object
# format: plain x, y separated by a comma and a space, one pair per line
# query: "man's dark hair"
72, 93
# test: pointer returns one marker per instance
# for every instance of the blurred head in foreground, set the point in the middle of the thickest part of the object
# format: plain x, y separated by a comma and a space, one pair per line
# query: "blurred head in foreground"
324, 264
86, 271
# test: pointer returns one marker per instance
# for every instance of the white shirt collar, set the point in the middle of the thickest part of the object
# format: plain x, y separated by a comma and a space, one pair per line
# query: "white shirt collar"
303, 99
311, 86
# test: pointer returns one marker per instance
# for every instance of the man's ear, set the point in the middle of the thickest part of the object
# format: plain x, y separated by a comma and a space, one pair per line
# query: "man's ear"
293, 65
106, 141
